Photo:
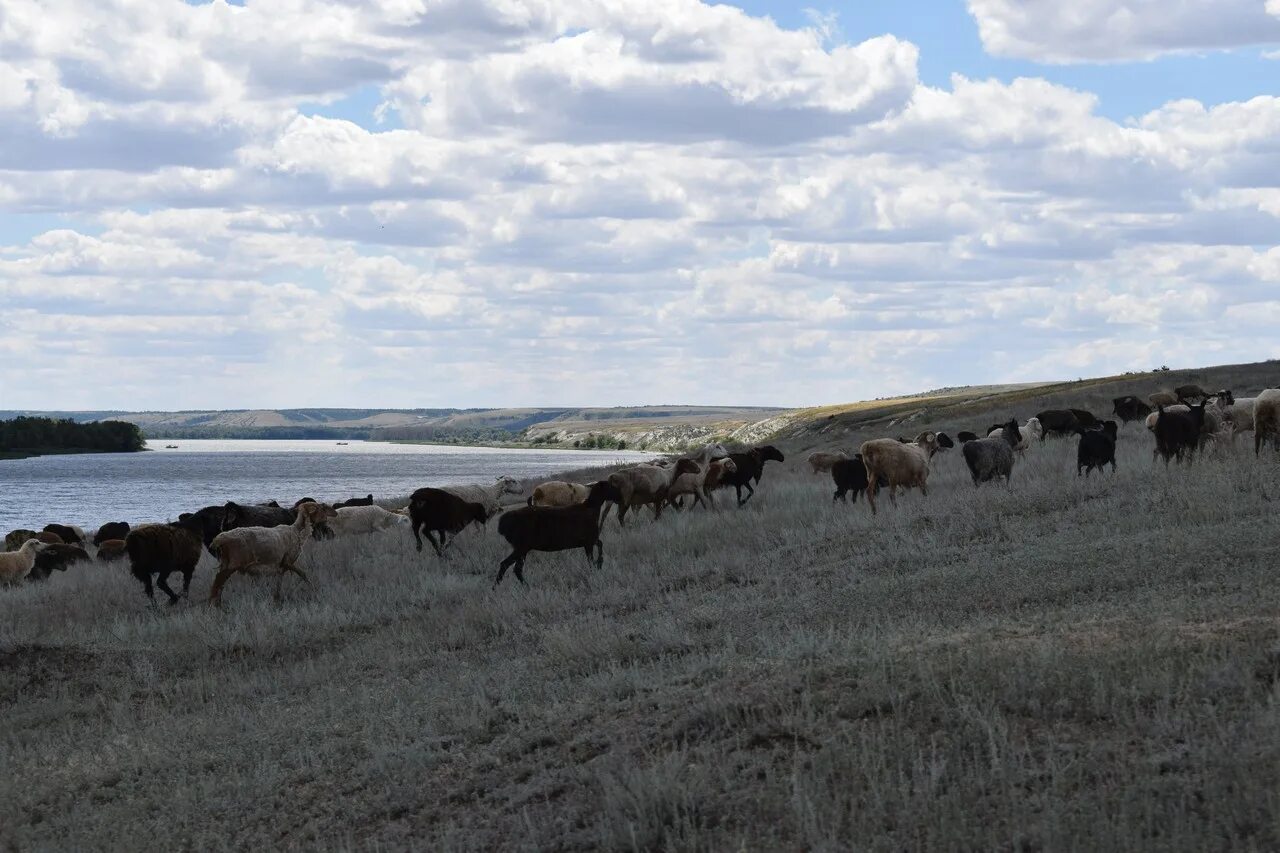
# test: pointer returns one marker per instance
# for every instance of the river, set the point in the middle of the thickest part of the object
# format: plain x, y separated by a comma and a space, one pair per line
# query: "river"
89, 489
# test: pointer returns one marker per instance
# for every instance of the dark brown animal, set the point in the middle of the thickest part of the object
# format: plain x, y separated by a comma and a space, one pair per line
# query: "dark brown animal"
161, 550
110, 550
850, 475
56, 558
438, 511
750, 468
111, 530
1180, 434
538, 528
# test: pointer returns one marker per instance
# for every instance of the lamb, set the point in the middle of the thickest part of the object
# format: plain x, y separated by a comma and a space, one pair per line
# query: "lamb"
749, 468
161, 549
56, 558
16, 565
717, 470
851, 475
821, 462
992, 457
110, 550
1179, 433
534, 528
558, 493
1266, 419
436, 510
361, 519
490, 496
695, 483
1097, 447
645, 484
256, 550
901, 465
111, 530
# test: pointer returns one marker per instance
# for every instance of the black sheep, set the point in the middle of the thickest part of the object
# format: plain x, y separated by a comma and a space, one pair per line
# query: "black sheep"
67, 534
1097, 448
964, 435
435, 510
547, 528
111, 530
1179, 434
161, 549
750, 467
850, 475
53, 558
365, 501
1129, 408
208, 521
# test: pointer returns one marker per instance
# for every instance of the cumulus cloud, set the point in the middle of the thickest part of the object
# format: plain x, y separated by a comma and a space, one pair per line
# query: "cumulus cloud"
1109, 31
592, 202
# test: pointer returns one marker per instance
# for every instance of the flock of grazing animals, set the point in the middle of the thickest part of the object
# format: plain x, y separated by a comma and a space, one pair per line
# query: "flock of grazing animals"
267, 539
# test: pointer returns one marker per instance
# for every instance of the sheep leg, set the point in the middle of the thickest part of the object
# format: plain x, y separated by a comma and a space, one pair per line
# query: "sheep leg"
186, 581
290, 567
697, 501
145, 577
599, 554
432, 540
622, 512
162, 581
215, 591
711, 500
518, 568
416, 537
503, 566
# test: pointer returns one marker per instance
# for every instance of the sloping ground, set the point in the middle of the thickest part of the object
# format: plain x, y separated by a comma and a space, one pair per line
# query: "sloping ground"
1065, 664
975, 408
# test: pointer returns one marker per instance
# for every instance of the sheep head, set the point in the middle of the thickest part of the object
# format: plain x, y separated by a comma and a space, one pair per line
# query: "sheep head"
687, 466
510, 486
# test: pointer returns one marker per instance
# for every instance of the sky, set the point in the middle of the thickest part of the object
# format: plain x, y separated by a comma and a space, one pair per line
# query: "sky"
479, 203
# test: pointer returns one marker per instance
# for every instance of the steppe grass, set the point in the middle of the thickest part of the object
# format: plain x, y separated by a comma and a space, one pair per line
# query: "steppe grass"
1064, 664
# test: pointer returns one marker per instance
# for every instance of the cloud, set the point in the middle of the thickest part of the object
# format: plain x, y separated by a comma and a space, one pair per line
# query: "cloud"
1121, 30
591, 203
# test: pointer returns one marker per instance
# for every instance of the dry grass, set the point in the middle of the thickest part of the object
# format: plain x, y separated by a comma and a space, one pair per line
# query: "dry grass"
1066, 664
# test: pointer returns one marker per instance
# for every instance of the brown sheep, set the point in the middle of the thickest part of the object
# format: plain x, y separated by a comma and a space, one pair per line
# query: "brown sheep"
161, 549
112, 549
822, 462
646, 484
904, 466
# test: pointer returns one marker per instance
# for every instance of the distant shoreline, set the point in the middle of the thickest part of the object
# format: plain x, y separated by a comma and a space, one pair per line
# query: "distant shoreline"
33, 452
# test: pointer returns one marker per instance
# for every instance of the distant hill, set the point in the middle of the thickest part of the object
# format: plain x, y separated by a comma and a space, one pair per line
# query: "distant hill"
676, 427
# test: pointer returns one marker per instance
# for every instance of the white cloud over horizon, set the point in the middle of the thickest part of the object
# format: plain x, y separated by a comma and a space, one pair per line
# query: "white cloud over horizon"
591, 203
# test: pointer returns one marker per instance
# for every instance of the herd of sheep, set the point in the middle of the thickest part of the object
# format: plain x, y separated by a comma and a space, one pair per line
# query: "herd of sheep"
267, 539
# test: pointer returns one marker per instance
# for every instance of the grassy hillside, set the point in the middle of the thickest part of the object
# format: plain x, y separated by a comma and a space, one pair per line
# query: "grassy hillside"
1067, 663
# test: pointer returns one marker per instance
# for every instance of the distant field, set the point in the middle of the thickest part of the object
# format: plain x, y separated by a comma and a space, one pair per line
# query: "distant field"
1064, 664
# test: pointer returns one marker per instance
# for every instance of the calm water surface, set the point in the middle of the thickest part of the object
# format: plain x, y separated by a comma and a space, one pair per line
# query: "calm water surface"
91, 489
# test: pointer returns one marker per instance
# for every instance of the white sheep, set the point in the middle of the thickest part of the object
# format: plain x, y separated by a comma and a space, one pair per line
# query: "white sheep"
489, 496
265, 550
821, 461
16, 565
1240, 414
1031, 431
904, 466
361, 520
558, 493
1266, 419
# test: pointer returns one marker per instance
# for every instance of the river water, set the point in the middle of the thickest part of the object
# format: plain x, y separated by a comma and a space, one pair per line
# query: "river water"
89, 489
